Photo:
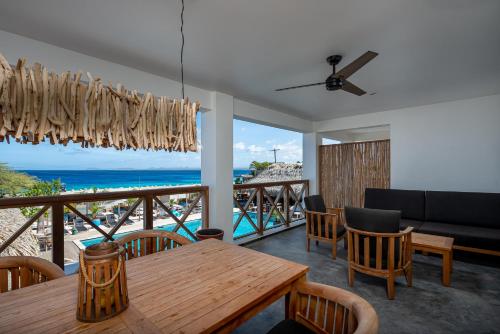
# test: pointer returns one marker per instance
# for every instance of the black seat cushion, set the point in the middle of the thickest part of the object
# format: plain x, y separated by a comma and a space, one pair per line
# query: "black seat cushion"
374, 220
290, 327
404, 223
315, 203
463, 208
468, 236
411, 203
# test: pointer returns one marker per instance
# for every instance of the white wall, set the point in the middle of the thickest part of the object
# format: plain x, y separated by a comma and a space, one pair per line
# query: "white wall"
55, 58
445, 146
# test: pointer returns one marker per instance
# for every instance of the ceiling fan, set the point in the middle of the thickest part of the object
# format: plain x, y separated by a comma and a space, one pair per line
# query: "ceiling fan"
337, 80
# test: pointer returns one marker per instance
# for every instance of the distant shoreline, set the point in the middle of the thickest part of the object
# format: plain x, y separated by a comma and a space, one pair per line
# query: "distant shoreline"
122, 179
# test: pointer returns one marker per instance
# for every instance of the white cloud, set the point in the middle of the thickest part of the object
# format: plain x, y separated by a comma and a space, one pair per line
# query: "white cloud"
239, 146
289, 151
256, 149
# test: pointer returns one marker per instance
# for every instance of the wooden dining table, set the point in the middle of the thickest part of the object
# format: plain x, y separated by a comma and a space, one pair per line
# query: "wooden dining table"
208, 286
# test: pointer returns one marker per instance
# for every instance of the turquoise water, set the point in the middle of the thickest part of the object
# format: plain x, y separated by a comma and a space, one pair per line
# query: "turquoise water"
243, 228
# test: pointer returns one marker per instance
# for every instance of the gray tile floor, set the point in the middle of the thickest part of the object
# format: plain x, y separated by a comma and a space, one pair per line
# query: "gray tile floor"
470, 305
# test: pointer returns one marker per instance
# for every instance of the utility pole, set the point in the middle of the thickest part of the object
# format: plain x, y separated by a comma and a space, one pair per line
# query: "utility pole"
274, 150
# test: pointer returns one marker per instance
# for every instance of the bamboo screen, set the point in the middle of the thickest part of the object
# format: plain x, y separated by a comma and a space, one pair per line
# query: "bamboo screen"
347, 169
36, 104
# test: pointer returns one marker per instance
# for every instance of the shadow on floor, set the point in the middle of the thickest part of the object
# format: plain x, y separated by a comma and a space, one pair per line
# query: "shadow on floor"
470, 305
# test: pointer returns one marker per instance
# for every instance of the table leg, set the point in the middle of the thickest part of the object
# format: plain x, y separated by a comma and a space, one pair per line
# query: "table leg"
287, 305
446, 268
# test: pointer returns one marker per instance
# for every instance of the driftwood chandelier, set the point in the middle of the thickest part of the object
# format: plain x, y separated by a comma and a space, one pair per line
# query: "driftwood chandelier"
36, 104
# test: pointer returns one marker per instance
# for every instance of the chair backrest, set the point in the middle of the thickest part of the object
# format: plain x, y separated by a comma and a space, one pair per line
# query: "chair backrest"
150, 241
373, 220
327, 309
374, 240
315, 203
22, 271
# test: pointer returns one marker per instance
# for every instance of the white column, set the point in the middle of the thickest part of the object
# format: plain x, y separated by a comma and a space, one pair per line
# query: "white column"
310, 143
217, 161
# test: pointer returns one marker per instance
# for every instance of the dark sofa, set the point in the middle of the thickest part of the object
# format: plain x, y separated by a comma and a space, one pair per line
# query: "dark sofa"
472, 219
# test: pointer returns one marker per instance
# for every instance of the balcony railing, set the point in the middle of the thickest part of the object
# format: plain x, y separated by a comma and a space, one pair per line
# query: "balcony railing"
268, 205
58, 204
258, 207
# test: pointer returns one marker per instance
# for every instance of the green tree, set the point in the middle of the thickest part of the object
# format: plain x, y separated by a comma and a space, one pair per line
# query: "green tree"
41, 188
256, 166
13, 183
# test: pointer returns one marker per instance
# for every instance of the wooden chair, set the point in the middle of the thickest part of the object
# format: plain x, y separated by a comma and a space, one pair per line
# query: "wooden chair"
323, 224
22, 271
376, 252
150, 241
319, 308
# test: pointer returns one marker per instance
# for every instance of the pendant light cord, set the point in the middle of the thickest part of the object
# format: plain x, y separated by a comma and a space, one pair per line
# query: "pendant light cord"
182, 48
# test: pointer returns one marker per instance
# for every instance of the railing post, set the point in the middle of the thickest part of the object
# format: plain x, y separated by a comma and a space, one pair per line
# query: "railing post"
286, 204
148, 212
205, 213
260, 210
58, 234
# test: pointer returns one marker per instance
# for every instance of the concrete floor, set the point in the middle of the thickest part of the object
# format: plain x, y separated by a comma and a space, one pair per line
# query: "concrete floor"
470, 305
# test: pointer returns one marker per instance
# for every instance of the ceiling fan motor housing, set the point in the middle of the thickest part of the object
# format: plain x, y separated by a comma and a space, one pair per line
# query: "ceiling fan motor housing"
333, 83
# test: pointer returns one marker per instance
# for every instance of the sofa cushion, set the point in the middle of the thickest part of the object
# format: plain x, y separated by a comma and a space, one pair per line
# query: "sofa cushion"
404, 223
468, 236
463, 208
411, 203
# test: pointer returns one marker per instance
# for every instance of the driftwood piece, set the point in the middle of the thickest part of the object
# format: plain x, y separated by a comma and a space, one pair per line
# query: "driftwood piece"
36, 104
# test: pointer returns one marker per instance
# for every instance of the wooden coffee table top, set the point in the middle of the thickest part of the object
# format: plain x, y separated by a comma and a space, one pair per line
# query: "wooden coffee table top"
430, 241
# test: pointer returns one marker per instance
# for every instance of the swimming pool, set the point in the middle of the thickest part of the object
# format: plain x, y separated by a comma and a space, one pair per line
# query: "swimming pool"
243, 228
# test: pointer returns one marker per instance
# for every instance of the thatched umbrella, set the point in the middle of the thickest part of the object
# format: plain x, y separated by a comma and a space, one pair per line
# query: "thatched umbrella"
26, 244
279, 172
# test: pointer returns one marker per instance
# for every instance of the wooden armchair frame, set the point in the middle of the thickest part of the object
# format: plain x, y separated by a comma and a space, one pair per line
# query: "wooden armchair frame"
332, 218
147, 242
403, 265
23, 271
327, 309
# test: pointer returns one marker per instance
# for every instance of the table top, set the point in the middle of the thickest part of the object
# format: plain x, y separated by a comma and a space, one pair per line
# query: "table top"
431, 241
191, 289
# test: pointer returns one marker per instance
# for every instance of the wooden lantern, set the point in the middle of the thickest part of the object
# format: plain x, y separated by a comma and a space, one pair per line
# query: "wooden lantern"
102, 288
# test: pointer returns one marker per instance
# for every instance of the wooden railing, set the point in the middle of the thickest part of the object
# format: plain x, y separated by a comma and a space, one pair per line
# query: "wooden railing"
272, 203
58, 204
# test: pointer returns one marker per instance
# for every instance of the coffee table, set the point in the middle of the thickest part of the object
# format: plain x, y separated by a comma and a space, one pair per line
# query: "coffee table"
428, 243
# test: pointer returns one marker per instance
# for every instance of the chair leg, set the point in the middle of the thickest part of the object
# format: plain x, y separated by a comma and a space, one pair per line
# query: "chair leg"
308, 244
351, 276
390, 287
409, 275
334, 249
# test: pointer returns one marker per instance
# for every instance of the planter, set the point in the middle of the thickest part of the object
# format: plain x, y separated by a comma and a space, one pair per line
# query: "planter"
210, 233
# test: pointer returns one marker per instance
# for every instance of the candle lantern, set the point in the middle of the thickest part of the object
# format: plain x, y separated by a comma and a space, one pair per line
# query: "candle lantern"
102, 287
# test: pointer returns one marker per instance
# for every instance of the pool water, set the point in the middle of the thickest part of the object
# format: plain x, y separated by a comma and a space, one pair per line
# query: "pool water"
243, 228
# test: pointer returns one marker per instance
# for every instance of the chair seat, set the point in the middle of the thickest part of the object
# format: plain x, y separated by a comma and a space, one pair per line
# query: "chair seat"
340, 231
289, 327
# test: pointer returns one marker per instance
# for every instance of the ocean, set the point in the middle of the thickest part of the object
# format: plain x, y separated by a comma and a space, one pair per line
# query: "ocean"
103, 179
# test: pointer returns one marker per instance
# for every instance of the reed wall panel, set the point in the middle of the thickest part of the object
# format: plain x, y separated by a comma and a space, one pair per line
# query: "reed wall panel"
345, 170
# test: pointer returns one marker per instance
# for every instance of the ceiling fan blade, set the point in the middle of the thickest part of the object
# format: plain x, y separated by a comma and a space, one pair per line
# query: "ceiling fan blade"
351, 88
301, 86
350, 69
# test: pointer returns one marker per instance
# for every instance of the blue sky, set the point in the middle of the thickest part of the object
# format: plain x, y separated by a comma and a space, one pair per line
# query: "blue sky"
250, 142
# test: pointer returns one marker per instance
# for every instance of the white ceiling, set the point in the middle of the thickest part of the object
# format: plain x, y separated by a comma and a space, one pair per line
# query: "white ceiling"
430, 50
